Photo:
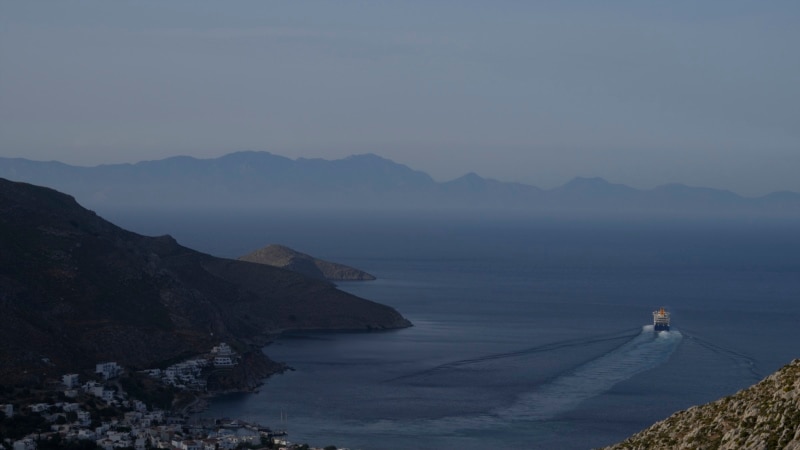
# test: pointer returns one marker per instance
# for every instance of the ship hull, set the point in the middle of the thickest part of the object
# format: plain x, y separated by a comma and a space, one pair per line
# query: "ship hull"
660, 320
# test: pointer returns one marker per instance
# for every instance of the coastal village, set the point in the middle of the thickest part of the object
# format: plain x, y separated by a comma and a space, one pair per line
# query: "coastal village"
104, 412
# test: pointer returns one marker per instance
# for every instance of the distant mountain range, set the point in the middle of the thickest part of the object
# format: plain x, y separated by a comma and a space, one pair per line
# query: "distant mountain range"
255, 179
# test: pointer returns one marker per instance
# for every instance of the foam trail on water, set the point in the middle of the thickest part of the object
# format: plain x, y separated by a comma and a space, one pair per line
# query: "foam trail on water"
741, 359
519, 353
645, 351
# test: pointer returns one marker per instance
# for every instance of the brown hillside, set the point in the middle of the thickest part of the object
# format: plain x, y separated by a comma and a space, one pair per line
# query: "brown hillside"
287, 258
763, 416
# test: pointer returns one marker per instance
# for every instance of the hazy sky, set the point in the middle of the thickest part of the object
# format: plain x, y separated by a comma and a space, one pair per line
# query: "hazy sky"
638, 92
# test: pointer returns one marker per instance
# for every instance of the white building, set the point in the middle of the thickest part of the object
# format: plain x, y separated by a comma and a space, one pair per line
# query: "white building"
210, 444
222, 349
133, 417
108, 370
7, 409
155, 416
67, 407
84, 418
190, 445
105, 444
25, 444
39, 407
86, 434
107, 395
101, 430
223, 361
70, 380
224, 356
97, 391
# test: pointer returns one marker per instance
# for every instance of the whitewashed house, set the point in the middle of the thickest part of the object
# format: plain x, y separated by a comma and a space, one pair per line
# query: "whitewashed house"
210, 444
101, 430
224, 356
155, 416
70, 380
222, 349
67, 407
25, 444
133, 417
39, 407
84, 418
190, 445
86, 434
105, 444
107, 395
97, 391
108, 370
139, 405
223, 361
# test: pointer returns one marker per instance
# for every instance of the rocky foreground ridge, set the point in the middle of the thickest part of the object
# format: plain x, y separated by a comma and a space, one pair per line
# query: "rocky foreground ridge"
763, 416
76, 290
289, 259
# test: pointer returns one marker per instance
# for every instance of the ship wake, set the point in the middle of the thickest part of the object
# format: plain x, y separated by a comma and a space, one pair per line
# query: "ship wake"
539, 349
644, 352
563, 393
740, 359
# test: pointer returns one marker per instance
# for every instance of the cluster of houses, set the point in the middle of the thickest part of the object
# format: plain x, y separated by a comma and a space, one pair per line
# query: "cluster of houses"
141, 430
187, 375
71, 420
137, 427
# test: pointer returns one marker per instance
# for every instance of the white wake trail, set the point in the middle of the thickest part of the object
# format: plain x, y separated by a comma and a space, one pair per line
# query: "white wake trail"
646, 351
564, 393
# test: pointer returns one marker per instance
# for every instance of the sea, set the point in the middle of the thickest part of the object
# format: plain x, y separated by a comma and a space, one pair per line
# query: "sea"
529, 331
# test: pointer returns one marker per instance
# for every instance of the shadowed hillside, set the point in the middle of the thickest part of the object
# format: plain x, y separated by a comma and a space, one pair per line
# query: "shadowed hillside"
76, 290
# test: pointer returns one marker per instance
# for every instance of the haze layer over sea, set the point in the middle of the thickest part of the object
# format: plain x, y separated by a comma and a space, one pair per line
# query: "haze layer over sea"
529, 332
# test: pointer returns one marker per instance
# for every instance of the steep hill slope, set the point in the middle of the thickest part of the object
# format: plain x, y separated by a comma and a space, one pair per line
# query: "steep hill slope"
763, 416
76, 289
287, 258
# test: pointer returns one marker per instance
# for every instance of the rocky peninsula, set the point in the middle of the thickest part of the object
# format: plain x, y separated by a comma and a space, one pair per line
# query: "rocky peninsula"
289, 259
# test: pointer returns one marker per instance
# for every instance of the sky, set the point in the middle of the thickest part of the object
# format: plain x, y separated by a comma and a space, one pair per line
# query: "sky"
637, 92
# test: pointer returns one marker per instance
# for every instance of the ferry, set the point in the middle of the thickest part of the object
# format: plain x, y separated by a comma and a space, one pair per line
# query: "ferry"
660, 320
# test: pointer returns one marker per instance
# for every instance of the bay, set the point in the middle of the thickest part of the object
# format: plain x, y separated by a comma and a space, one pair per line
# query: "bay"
529, 332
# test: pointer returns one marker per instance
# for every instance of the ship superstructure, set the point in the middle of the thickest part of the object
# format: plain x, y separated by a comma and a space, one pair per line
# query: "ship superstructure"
660, 320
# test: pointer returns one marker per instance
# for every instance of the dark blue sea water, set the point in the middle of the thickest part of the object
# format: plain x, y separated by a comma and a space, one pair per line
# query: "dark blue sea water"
529, 333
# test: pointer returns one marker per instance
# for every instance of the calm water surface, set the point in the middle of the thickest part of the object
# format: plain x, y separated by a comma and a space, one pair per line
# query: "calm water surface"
528, 333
